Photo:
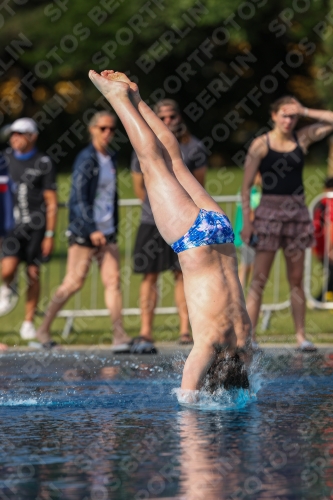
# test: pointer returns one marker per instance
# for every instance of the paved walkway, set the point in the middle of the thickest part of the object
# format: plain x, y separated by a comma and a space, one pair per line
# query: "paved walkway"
168, 349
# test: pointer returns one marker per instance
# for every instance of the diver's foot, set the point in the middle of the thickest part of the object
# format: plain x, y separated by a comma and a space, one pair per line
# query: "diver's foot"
121, 77
118, 76
110, 87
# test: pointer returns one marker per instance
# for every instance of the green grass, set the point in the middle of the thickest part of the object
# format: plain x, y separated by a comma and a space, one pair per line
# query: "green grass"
225, 181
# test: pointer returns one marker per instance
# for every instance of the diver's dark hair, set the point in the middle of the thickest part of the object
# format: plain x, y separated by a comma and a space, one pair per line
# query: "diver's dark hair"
229, 373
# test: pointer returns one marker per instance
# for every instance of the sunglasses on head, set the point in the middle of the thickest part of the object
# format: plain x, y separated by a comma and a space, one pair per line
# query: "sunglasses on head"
171, 117
103, 129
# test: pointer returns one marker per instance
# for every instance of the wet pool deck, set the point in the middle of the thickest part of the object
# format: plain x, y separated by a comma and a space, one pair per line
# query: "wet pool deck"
169, 349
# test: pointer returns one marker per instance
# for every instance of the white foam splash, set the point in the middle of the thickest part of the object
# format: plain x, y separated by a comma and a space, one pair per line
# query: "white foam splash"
221, 399
18, 402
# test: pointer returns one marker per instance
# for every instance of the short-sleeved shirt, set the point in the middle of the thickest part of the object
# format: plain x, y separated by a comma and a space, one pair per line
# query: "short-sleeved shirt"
194, 157
105, 194
31, 176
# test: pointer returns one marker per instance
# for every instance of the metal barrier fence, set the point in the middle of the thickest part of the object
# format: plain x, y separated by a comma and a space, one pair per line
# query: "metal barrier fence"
317, 273
89, 302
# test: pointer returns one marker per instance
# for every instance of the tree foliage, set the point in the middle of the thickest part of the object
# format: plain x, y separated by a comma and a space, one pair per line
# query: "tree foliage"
208, 55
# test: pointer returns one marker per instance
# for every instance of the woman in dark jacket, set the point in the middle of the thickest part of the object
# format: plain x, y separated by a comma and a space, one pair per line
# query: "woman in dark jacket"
92, 231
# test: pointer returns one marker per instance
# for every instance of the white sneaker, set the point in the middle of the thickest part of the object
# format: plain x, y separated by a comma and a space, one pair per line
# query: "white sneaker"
6, 299
27, 330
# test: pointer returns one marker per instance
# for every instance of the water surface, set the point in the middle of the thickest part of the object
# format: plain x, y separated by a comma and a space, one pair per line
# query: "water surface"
88, 425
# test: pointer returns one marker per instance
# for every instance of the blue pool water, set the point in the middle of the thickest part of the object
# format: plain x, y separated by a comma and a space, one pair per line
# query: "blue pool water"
87, 425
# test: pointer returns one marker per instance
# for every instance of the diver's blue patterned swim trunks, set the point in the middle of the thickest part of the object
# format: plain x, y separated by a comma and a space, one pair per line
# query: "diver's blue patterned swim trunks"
209, 228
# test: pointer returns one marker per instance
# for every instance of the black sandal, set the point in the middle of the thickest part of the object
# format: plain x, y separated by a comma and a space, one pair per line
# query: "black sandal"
142, 345
51, 344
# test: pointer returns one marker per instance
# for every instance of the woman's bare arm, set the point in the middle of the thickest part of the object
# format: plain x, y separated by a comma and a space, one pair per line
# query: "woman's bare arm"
317, 131
313, 133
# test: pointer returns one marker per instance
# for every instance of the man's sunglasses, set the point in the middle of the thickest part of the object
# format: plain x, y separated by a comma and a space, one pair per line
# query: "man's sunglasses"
171, 117
103, 129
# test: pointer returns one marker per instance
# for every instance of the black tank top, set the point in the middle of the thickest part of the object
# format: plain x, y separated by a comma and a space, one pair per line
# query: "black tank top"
282, 172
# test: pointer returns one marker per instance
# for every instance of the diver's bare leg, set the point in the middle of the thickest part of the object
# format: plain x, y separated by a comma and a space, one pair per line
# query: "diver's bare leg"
170, 147
174, 211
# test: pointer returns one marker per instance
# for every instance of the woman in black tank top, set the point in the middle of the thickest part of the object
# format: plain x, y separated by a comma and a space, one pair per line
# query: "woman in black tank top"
282, 218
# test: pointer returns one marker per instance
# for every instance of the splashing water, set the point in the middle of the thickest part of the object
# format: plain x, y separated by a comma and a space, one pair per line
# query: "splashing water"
223, 399
12, 401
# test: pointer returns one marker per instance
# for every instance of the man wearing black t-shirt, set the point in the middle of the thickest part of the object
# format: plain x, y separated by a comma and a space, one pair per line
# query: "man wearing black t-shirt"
35, 207
152, 255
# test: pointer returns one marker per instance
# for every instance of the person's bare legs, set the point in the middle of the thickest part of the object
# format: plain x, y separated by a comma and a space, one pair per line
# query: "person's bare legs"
180, 300
170, 148
78, 264
108, 259
148, 301
262, 265
174, 160
9, 267
32, 292
295, 269
174, 210
214, 268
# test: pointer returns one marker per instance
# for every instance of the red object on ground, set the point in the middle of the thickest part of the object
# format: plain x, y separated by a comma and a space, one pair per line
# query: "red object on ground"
323, 226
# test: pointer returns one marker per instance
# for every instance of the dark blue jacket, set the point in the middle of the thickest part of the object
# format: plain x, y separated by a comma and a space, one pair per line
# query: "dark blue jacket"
83, 191
6, 199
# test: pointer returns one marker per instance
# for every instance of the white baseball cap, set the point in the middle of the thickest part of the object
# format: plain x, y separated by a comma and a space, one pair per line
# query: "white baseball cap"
24, 126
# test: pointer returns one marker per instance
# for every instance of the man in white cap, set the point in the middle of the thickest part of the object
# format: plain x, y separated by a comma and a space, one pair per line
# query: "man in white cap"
35, 208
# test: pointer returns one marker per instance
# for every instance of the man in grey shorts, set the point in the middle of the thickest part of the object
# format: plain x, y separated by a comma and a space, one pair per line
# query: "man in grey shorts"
152, 255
